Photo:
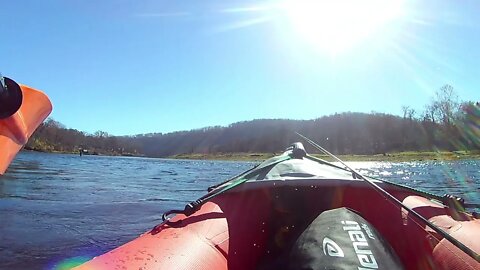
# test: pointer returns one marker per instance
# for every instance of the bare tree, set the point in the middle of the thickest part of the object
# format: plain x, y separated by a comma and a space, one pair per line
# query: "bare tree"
408, 112
446, 104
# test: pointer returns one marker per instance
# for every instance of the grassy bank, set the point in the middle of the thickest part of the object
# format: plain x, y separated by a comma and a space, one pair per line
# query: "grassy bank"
77, 152
226, 156
391, 157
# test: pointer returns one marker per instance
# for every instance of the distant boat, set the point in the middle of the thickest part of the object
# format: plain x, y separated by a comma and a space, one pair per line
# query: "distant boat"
87, 152
263, 218
82, 152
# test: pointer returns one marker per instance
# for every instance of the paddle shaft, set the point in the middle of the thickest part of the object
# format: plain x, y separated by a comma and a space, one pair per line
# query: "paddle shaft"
387, 195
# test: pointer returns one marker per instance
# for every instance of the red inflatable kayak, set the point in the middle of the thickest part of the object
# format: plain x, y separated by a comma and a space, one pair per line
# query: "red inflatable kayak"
257, 215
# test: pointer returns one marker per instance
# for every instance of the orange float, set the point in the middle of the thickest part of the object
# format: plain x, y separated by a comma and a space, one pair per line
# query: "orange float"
22, 110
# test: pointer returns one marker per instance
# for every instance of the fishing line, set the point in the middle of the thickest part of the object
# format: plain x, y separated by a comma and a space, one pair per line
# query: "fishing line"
387, 195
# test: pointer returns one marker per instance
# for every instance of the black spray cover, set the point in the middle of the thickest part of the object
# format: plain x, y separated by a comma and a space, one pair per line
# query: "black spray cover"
341, 239
10, 97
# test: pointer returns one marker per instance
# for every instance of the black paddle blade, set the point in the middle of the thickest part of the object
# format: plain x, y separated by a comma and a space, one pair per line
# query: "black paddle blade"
10, 97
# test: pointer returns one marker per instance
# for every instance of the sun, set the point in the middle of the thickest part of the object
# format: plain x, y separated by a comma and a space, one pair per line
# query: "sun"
336, 26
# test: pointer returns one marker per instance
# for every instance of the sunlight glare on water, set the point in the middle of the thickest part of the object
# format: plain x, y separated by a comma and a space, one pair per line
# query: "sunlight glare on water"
439, 177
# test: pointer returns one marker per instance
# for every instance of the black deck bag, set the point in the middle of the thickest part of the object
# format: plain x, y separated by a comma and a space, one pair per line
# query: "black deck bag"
341, 239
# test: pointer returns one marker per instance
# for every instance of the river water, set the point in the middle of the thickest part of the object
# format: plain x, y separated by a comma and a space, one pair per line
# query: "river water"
57, 208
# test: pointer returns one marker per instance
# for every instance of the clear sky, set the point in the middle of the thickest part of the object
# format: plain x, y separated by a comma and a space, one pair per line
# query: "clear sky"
137, 66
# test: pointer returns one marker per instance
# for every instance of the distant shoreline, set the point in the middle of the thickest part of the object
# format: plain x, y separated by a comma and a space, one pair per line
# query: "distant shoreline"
389, 157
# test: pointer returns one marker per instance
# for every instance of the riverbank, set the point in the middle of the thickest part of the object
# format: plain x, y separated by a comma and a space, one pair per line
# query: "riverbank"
390, 157
77, 152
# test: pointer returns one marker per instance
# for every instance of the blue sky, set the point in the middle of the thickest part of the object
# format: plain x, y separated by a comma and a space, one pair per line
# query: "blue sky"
133, 66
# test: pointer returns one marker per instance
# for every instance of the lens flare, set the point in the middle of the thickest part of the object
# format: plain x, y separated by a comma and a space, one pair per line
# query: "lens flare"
70, 263
336, 26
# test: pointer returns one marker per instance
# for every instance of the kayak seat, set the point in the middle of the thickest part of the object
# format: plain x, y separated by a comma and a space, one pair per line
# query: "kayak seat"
294, 208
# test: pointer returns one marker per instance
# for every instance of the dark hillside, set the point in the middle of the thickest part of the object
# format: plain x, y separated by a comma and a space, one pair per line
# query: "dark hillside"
346, 133
446, 124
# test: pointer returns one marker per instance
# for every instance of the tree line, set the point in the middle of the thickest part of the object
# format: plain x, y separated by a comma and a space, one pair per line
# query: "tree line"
444, 124
53, 136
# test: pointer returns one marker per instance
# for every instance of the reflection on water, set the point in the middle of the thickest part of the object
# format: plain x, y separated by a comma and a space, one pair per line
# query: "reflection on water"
460, 178
54, 207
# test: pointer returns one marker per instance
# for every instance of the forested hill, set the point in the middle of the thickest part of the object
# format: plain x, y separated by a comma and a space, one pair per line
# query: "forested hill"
445, 124
344, 133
